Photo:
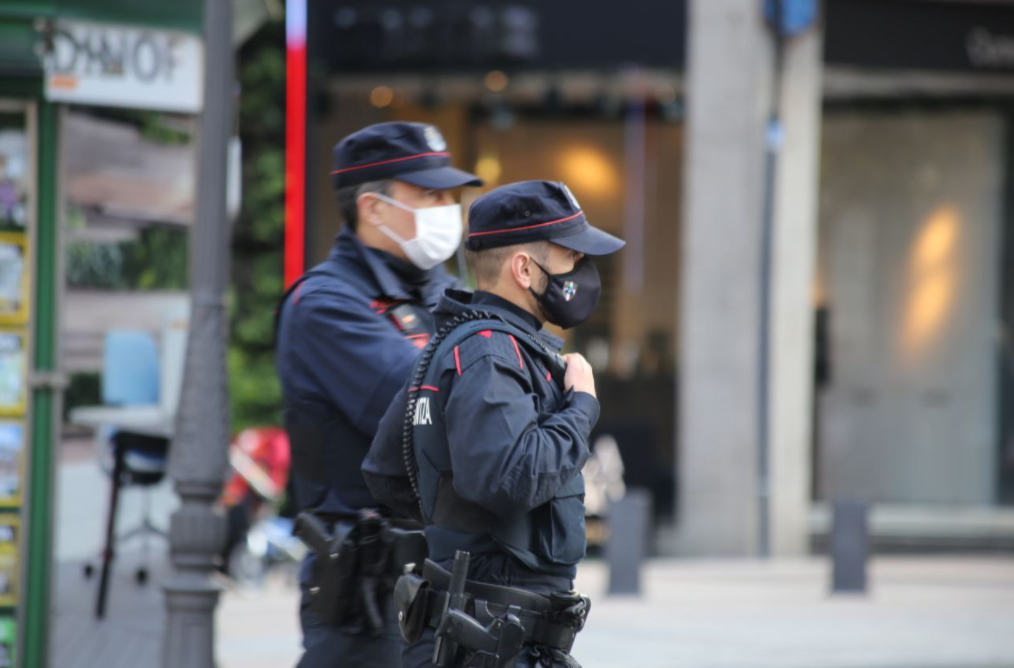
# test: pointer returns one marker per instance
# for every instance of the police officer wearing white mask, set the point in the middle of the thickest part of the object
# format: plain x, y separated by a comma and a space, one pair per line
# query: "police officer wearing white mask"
349, 331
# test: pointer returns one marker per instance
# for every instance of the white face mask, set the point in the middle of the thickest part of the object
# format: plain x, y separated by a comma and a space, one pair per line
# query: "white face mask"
438, 232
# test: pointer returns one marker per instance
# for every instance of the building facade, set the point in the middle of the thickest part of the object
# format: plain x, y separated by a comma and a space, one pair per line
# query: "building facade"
890, 301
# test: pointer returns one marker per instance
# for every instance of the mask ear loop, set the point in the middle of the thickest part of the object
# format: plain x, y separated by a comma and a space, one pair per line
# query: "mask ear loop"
544, 273
393, 202
394, 236
538, 297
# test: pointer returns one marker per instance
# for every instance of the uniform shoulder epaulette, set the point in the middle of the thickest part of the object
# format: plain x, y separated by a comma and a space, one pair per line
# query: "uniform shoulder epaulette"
487, 343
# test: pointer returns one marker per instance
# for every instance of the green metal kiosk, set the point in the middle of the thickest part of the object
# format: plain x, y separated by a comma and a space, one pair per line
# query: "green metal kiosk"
109, 52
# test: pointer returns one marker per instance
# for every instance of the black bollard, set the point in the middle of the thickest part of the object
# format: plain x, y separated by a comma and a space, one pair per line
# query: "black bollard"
850, 547
627, 546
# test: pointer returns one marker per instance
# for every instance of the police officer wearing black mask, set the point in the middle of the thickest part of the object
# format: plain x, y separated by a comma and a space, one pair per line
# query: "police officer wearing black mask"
349, 331
487, 441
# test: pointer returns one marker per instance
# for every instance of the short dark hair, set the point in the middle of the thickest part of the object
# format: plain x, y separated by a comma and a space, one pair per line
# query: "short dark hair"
488, 263
348, 199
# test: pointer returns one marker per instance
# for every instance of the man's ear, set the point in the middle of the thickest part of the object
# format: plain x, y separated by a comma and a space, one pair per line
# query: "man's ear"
521, 266
370, 209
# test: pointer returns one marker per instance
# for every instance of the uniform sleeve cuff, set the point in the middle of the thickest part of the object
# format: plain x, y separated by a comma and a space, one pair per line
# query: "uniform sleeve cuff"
588, 405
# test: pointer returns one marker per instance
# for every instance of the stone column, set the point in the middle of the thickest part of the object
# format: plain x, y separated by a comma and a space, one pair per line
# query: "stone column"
198, 456
729, 75
792, 299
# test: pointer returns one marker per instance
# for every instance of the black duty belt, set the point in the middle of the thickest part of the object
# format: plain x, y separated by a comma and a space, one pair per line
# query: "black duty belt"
357, 564
486, 601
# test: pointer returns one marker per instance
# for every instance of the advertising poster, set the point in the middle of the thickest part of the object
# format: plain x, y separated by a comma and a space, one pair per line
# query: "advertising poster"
12, 446
15, 166
13, 372
10, 536
13, 278
8, 638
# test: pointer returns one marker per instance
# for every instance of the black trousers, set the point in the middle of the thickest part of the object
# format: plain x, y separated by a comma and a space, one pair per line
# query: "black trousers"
326, 646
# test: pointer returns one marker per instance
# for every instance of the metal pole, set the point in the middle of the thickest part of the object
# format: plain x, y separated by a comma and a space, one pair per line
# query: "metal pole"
198, 456
45, 387
774, 136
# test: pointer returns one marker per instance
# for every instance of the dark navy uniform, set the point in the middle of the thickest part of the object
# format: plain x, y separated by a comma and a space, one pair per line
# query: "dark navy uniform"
349, 332
343, 353
499, 445
520, 439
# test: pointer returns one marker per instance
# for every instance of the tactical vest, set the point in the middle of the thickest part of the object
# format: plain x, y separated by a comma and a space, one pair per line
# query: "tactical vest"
327, 451
545, 538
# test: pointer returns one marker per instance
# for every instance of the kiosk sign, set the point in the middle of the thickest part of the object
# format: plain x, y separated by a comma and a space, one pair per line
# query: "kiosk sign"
117, 66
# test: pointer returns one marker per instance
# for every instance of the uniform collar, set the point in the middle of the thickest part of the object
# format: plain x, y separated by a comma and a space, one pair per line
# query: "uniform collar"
483, 298
393, 277
459, 302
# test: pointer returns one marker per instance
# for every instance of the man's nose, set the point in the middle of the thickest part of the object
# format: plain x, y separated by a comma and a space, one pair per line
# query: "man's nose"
446, 197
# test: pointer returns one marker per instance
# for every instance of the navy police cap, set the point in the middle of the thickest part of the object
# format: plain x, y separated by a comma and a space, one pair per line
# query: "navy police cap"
529, 211
415, 153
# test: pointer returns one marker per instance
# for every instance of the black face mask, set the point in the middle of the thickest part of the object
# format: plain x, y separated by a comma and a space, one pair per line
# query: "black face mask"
570, 298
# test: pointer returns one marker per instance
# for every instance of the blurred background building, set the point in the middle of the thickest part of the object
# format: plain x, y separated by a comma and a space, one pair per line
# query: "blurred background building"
892, 298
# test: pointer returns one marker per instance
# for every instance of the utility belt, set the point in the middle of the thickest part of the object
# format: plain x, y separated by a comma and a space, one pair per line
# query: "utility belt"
489, 623
358, 562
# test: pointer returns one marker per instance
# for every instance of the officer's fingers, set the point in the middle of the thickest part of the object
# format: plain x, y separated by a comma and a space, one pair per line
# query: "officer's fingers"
577, 357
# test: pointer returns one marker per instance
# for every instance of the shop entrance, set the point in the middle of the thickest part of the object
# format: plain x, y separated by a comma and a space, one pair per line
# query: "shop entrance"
910, 277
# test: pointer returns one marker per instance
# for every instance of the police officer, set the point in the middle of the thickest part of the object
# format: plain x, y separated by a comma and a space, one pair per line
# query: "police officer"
349, 331
495, 426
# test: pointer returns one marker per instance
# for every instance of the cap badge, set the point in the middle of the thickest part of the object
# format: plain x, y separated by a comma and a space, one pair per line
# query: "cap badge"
570, 197
434, 139
569, 290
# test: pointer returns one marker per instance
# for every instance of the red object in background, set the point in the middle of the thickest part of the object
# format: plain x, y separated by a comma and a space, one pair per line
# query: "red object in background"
295, 140
263, 458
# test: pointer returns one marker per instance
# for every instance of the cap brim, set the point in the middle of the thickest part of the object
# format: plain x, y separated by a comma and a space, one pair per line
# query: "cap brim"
590, 241
440, 178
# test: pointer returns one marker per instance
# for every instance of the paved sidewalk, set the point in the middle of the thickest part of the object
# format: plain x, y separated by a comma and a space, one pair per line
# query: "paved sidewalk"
131, 633
928, 612
921, 613
260, 629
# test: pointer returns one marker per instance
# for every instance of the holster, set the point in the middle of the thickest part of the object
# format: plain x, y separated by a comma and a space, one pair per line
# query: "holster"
489, 623
357, 565
410, 601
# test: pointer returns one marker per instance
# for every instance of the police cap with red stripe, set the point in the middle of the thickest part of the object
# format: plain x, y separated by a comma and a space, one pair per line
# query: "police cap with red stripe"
415, 153
528, 211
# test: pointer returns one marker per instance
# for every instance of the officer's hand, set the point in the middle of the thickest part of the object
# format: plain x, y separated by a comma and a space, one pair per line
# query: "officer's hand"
579, 374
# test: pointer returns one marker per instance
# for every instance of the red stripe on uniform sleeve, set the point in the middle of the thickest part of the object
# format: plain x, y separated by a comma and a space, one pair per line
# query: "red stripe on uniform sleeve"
457, 360
518, 351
